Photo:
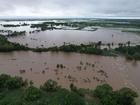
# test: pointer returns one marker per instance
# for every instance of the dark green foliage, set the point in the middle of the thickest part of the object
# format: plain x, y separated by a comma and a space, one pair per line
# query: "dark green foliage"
3, 79
129, 57
50, 86
76, 90
14, 83
65, 97
15, 33
102, 91
107, 96
131, 52
73, 87
51, 94
8, 82
126, 96
136, 56
32, 94
6, 46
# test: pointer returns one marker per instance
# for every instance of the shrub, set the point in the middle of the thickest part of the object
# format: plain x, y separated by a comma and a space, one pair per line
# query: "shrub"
32, 93
102, 91
50, 86
126, 96
8, 82
65, 97
3, 79
136, 56
14, 83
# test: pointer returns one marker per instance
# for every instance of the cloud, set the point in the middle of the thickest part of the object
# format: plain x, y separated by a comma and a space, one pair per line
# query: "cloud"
70, 8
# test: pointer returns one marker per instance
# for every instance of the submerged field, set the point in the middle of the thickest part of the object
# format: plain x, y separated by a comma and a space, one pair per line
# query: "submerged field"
68, 66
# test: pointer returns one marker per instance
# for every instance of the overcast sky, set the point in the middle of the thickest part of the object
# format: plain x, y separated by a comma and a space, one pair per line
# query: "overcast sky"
70, 8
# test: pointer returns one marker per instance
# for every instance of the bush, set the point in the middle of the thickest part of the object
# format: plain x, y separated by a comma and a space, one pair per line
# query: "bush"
126, 96
8, 82
102, 91
32, 93
50, 86
107, 96
136, 56
129, 57
65, 97
14, 83
3, 79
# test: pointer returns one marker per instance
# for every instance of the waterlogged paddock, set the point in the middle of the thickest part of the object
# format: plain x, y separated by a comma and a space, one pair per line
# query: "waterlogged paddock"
85, 71
58, 37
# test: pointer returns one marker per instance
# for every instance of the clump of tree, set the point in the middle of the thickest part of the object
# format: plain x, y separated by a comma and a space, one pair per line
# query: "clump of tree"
8, 82
50, 86
107, 96
131, 52
32, 93
15, 33
6, 46
66, 97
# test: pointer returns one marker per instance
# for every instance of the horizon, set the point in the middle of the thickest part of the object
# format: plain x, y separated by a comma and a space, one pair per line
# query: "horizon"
44, 17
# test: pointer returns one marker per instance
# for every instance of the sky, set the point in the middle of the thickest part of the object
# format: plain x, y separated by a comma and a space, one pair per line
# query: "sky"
70, 8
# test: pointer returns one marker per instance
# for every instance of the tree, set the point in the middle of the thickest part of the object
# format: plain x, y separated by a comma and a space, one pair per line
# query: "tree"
14, 83
3, 79
102, 90
65, 97
50, 86
32, 93
126, 96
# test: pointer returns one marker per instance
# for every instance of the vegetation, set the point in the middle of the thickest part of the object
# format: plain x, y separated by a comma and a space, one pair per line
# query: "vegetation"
107, 96
6, 46
50, 86
17, 25
49, 94
15, 33
32, 93
131, 52
11, 25
78, 25
8, 82
83, 48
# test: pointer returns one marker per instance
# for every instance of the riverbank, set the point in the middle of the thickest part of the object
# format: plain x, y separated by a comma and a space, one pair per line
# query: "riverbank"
16, 91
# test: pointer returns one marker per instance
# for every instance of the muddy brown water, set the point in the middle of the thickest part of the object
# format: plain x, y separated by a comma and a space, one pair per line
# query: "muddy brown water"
85, 71
80, 69
58, 37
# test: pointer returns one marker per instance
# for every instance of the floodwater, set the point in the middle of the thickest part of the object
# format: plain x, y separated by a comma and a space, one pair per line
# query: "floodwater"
85, 71
58, 37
